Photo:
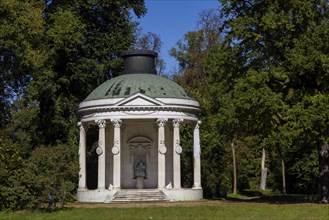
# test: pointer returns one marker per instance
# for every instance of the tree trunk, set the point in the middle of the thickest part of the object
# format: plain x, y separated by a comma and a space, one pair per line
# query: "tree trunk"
234, 167
262, 185
323, 151
283, 171
283, 177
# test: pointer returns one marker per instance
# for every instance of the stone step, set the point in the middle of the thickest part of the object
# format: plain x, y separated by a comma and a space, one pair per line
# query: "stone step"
140, 195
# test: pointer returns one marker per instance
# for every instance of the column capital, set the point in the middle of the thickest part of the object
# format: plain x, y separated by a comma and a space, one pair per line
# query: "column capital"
162, 121
116, 122
176, 122
81, 127
198, 123
101, 123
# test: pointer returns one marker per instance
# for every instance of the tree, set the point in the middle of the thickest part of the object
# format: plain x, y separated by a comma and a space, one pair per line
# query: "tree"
191, 51
22, 129
234, 167
152, 41
262, 184
58, 51
85, 43
261, 84
21, 30
15, 189
195, 74
52, 55
285, 41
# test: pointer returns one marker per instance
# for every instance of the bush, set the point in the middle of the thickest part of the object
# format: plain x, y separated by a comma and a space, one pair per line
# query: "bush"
25, 184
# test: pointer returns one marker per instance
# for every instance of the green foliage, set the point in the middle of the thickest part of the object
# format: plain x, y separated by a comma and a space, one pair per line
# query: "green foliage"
304, 162
14, 192
264, 84
21, 28
22, 128
285, 43
55, 170
57, 52
26, 183
84, 43
187, 155
52, 55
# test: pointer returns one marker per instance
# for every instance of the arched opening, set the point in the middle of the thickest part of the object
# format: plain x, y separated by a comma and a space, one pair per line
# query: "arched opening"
140, 167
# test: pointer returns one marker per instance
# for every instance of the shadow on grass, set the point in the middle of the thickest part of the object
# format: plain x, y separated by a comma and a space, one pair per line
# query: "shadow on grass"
45, 209
249, 196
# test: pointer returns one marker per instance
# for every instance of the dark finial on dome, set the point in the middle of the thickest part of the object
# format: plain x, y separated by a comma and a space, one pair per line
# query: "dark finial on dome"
139, 61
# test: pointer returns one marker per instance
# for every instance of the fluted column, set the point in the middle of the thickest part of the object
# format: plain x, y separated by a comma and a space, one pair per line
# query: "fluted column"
82, 158
161, 153
177, 150
196, 156
101, 153
116, 153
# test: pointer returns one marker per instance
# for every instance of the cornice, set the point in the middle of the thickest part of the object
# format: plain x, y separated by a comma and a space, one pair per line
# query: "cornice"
138, 102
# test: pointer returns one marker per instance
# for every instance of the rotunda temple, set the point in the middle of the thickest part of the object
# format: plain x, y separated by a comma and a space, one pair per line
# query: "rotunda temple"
139, 115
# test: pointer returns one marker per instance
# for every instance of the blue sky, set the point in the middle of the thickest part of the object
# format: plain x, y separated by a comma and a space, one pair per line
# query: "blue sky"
171, 19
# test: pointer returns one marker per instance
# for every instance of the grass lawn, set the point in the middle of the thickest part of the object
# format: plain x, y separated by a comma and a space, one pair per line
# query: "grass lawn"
181, 211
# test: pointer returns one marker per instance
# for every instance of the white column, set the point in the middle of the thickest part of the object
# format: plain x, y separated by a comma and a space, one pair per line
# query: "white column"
101, 153
196, 156
177, 150
82, 158
116, 153
108, 160
161, 153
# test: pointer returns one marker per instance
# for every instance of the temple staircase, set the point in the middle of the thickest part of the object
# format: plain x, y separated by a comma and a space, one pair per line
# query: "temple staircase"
139, 195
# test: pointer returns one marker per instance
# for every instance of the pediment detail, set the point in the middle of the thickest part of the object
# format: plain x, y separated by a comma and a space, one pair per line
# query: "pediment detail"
139, 100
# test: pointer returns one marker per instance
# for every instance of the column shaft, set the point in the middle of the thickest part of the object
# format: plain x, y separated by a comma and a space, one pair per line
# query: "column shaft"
116, 153
101, 154
196, 156
82, 158
161, 153
177, 150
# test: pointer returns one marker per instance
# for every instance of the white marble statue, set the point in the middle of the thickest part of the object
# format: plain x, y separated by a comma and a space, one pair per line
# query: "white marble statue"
140, 170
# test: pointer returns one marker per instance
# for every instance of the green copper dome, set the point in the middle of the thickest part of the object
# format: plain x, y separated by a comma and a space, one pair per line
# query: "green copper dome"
129, 84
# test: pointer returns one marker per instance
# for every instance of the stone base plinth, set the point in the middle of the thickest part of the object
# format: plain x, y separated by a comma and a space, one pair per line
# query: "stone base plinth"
108, 195
183, 194
140, 183
96, 195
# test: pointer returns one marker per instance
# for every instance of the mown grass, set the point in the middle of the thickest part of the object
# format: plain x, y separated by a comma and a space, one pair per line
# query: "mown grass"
246, 205
268, 196
215, 210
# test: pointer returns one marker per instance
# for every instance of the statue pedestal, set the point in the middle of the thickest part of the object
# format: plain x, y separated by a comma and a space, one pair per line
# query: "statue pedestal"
140, 182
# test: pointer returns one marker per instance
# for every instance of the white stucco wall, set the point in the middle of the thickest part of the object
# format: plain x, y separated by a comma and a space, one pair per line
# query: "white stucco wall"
132, 129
